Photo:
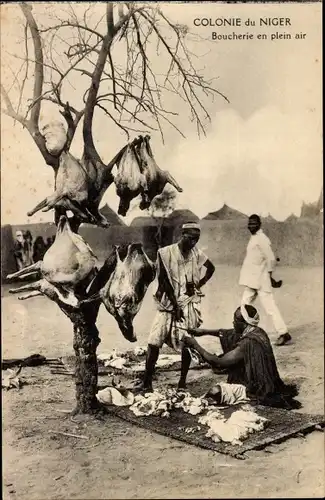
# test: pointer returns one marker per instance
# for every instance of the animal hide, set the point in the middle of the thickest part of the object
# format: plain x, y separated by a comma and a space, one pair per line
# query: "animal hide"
129, 180
66, 264
124, 291
70, 259
79, 187
156, 179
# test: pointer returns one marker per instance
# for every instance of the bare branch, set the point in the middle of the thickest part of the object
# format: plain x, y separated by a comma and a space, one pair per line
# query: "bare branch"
89, 146
26, 71
65, 74
113, 77
114, 120
70, 24
39, 70
110, 19
36, 135
9, 111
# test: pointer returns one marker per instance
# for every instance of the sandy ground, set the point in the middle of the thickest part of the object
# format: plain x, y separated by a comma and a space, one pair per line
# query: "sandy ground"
123, 461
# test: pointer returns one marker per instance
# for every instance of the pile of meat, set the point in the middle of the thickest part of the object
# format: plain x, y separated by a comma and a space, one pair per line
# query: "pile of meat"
234, 429
161, 403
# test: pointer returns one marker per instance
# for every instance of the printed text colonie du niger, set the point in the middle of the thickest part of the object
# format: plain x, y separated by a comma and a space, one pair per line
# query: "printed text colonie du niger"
236, 22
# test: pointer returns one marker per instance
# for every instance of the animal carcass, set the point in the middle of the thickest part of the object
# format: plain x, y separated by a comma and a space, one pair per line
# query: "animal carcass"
74, 183
156, 179
124, 291
129, 180
67, 263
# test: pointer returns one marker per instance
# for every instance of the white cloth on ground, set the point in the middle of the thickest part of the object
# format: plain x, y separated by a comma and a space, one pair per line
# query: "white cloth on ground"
231, 394
113, 396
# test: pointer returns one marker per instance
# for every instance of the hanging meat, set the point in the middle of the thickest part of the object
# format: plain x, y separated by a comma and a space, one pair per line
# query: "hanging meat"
156, 179
75, 182
66, 264
129, 180
70, 259
125, 290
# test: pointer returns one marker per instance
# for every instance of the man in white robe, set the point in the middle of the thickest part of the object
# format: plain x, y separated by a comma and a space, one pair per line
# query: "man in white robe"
178, 299
256, 276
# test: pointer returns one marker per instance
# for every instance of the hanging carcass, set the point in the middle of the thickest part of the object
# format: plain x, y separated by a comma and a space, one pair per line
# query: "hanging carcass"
125, 289
66, 265
129, 180
156, 179
75, 182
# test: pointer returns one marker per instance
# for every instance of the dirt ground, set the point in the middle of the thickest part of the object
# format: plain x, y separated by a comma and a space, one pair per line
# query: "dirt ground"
119, 460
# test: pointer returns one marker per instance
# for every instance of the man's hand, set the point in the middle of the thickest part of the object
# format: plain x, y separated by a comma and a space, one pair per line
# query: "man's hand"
179, 315
276, 284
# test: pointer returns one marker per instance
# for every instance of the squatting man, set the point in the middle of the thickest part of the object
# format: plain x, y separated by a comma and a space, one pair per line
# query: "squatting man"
178, 299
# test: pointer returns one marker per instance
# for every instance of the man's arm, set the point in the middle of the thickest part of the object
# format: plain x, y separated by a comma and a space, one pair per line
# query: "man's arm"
164, 286
229, 359
208, 274
200, 332
266, 249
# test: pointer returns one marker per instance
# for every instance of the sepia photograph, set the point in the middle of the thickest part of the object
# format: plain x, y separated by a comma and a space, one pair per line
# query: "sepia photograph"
162, 250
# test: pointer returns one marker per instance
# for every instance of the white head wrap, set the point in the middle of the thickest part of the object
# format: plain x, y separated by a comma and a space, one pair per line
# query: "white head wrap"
191, 225
250, 321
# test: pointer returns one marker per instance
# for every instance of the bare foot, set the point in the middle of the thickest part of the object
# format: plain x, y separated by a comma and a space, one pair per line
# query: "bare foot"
142, 388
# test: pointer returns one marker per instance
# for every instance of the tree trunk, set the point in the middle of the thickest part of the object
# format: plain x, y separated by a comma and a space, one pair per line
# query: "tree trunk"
85, 343
86, 339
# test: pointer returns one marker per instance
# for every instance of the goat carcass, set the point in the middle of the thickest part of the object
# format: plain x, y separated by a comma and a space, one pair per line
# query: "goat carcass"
124, 292
66, 264
156, 179
129, 180
73, 185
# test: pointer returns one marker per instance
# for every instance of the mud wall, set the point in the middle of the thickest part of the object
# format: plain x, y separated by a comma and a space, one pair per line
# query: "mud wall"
297, 243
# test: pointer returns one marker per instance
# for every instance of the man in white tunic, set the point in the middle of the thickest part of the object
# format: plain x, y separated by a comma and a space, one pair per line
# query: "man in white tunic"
178, 299
256, 276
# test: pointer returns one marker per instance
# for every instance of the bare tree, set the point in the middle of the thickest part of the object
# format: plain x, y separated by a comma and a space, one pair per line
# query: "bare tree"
115, 51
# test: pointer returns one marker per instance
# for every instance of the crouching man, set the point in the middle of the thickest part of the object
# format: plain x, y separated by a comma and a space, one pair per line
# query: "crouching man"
249, 360
178, 299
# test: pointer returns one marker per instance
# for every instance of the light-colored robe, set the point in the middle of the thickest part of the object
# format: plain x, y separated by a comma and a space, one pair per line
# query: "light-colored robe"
165, 328
258, 262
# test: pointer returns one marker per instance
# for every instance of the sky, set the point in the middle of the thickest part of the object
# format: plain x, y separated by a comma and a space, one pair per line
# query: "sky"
263, 150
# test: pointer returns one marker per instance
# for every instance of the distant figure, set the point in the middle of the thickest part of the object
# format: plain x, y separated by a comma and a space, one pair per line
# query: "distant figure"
19, 252
28, 248
49, 242
39, 249
256, 276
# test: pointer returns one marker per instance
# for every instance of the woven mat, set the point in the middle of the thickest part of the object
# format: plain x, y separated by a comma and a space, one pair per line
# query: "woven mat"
283, 424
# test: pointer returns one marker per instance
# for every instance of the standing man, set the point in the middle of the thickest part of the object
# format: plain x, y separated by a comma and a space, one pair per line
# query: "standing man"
19, 251
256, 276
178, 299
